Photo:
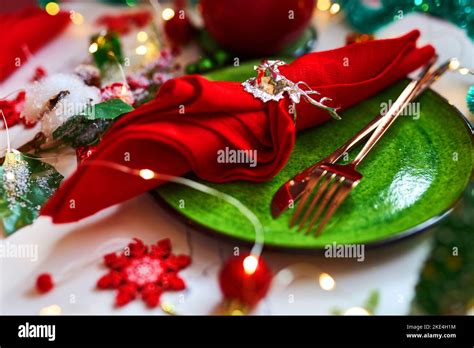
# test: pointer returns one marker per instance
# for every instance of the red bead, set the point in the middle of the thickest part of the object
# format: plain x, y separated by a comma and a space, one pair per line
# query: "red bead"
44, 283
236, 284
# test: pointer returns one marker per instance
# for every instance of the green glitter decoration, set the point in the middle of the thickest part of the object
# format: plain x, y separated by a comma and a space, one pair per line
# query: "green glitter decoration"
368, 18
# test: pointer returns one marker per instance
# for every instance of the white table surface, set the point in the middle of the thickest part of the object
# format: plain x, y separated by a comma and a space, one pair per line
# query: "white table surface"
71, 252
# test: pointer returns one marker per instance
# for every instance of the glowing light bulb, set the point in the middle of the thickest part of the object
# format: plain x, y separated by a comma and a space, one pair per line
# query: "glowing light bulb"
326, 282
52, 8
454, 64
142, 36
250, 264
237, 312
141, 50
77, 18
464, 71
357, 311
93, 47
324, 5
51, 310
147, 174
167, 14
168, 308
335, 8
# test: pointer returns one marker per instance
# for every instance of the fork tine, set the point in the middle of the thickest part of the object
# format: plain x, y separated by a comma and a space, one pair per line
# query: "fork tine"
327, 199
320, 191
308, 190
340, 197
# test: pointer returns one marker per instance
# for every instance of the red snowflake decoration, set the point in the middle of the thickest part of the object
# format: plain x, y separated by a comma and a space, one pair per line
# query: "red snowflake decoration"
145, 271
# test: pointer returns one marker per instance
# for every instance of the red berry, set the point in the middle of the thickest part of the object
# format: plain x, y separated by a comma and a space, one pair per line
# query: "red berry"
236, 284
44, 283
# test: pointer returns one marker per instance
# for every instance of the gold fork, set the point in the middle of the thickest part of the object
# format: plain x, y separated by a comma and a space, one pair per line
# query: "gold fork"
332, 183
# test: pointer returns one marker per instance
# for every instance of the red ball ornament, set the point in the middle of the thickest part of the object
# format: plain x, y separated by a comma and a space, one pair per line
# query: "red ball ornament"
245, 278
44, 283
178, 28
256, 27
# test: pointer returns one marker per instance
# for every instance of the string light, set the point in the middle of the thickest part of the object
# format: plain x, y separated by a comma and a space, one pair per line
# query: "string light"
77, 18
168, 308
51, 310
326, 282
52, 8
141, 50
357, 311
142, 36
250, 264
147, 174
324, 5
454, 64
335, 8
167, 14
93, 47
237, 312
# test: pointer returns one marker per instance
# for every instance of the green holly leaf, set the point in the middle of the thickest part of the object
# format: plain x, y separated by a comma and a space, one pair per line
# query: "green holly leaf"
88, 127
26, 183
107, 110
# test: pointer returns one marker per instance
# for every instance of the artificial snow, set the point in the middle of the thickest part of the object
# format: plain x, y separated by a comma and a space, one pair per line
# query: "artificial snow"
42, 102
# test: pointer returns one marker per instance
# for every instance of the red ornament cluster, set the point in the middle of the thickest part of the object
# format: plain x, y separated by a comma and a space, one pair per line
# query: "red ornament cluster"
143, 271
237, 284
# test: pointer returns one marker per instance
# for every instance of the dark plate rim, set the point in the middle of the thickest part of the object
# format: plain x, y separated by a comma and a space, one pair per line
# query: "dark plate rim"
415, 230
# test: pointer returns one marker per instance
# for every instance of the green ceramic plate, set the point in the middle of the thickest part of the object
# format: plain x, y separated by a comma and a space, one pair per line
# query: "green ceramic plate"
412, 178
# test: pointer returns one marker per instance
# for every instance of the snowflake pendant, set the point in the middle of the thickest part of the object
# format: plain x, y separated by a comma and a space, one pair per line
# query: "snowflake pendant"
143, 271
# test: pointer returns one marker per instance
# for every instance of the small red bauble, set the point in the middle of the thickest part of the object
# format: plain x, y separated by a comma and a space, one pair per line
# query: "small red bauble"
178, 29
44, 283
266, 28
245, 284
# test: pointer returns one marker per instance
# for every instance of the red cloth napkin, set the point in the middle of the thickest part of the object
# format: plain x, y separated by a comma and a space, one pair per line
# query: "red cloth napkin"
221, 114
31, 28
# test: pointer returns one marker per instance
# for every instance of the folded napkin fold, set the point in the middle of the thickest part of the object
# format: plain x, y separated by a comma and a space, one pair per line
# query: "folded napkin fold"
192, 119
26, 30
